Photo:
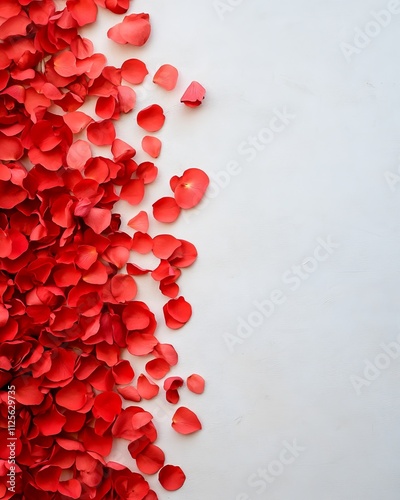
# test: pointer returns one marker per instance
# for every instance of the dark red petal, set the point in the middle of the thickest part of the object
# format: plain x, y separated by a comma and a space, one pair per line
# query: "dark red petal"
171, 477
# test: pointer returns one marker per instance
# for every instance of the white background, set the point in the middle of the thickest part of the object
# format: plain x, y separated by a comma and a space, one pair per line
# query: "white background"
323, 175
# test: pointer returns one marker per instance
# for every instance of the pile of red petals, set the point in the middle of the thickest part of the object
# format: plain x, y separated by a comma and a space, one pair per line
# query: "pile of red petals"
68, 281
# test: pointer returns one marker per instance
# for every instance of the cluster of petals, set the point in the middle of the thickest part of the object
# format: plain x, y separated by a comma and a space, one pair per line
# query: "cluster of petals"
68, 281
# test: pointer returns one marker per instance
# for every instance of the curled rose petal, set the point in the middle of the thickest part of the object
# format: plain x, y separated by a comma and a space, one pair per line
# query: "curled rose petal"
134, 29
166, 77
177, 312
146, 389
171, 477
185, 421
151, 118
194, 95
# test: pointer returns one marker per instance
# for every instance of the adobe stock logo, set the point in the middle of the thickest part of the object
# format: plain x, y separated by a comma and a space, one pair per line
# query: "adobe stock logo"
372, 29
292, 279
373, 369
263, 477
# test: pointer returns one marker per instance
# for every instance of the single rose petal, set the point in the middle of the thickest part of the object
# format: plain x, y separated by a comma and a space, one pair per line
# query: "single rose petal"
135, 29
147, 171
101, 133
195, 383
185, 421
151, 118
10, 148
123, 288
134, 71
98, 219
151, 145
121, 150
77, 121
157, 368
146, 389
71, 488
83, 11
78, 154
166, 209
140, 222
133, 191
166, 77
73, 396
193, 95
171, 477
123, 372
191, 187
107, 406
150, 460
164, 245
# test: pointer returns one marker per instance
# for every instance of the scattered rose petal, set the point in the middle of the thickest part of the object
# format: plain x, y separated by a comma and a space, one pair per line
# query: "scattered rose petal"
185, 421
171, 477
193, 95
166, 77
151, 146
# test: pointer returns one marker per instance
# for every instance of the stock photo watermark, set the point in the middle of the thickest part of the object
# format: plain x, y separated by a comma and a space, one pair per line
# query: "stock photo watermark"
393, 178
373, 369
11, 445
224, 7
264, 476
362, 37
291, 279
249, 148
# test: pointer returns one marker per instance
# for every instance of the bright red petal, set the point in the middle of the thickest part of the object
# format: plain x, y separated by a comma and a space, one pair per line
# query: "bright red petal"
151, 146
185, 421
171, 477
151, 118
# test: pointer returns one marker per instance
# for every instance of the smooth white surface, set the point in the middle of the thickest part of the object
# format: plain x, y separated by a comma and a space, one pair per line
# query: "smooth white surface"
324, 174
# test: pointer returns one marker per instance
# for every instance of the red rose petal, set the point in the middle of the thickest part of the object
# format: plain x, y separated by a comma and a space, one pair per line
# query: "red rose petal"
134, 71
166, 209
123, 288
146, 389
140, 222
185, 421
101, 133
157, 368
151, 118
151, 146
166, 77
191, 188
78, 154
195, 383
134, 29
150, 460
107, 406
193, 95
133, 191
10, 148
73, 396
164, 245
171, 477
177, 312
83, 11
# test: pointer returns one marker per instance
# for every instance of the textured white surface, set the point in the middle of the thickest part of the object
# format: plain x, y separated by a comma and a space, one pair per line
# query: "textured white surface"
322, 175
